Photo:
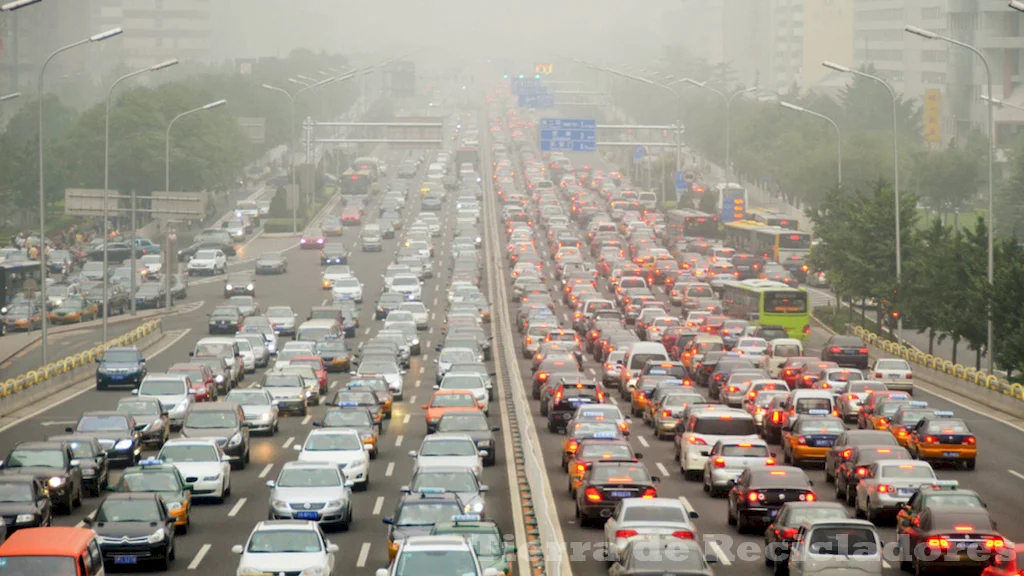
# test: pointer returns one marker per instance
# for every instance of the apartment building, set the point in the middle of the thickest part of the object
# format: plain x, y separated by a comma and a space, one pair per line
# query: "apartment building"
806, 32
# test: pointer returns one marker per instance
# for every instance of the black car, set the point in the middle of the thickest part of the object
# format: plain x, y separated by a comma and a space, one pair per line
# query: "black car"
51, 463
757, 495
239, 284
569, 396
151, 420
847, 351
209, 239
151, 295
388, 301
120, 367
24, 502
272, 263
335, 354
781, 532
90, 457
225, 320
431, 203
115, 432
134, 528
605, 484
955, 539
851, 470
225, 423
333, 254
116, 252
473, 424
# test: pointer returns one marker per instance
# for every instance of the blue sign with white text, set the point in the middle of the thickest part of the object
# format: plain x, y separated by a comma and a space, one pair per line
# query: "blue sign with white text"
525, 85
537, 100
568, 135
567, 124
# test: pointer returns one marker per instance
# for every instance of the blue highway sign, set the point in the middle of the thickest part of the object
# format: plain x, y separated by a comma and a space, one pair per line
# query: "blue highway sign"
680, 179
567, 146
537, 100
568, 134
525, 85
567, 124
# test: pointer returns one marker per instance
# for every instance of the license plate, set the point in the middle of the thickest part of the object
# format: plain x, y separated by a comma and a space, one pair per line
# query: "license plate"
893, 376
117, 377
621, 493
307, 515
905, 491
951, 454
125, 559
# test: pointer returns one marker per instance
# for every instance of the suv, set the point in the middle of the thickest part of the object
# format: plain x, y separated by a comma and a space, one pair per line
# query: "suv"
703, 429
371, 239
567, 397
120, 366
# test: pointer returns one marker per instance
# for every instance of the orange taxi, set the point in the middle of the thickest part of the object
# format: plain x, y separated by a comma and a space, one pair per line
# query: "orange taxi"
446, 401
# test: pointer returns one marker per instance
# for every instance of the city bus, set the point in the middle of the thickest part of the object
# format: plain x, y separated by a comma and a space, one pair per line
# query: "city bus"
770, 242
732, 201
15, 275
355, 183
768, 303
767, 217
681, 224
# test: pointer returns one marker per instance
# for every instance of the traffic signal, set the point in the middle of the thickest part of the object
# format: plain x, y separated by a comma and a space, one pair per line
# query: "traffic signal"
536, 76
895, 315
506, 76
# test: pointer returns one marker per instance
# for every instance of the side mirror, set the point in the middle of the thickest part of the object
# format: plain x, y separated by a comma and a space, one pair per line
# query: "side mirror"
87, 521
237, 549
493, 374
656, 479
192, 353
271, 483
350, 483
135, 392
638, 455
69, 429
381, 572
484, 453
693, 514
510, 548
495, 428
190, 487
76, 462
332, 547
142, 360
810, 482
297, 447
424, 406
412, 453
387, 520
438, 348
711, 559
772, 454
731, 482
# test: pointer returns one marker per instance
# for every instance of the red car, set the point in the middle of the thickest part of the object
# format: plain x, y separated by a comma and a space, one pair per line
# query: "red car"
351, 216
311, 242
317, 364
202, 378
792, 369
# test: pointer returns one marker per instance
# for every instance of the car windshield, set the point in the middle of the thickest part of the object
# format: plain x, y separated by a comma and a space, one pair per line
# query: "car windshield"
453, 401
83, 449
620, 473
308, 478
141, 510
188, 453
116, 423
330, 442
458, 382
655, 514
284, 542
463, 423
820, 426
205, 255
244, 398
453, 481
16, 492
282, 380
149, 482
346, 283
168, 387
212, 419
353, 418
843, 541
378, 368
428, 514
35, 458
756, 451
419, 562
962, 499
279, 312
892, 364
907, 471
121, 356
446, 447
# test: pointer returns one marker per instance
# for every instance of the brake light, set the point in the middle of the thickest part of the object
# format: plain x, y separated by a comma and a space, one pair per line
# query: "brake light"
835, 350
878, 374
754, 496
769, 462
623, 426
901, 432
581, 468
719, 462
529, 340
573, 446
994, 543
846, 453
751, 394
970, 440
696, 441
666, 414
940, 543
625, 533
733, 389
788, 533
543, 376
808, 497
650, 493
683, 534
862, 471
592, 495
775, 417
930, 440
884, 489
801, 440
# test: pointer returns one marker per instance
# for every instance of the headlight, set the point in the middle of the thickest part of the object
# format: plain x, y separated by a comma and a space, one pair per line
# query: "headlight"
236, 439
156, 537
174, 506
334, 504
229, 287
123, 444
309, 393
24, 518
181, 407
249, 287
55, 482
279, 504
314, 571
365, 436
266, 416
415, 341
219, 378
475, 508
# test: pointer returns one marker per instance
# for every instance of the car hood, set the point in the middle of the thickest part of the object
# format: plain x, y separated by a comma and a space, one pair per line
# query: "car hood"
125, 529
199, 469
333, 456
283, 393
308, 494
256, 411
456, 461
187, 432
170, 401
120, 366
107, 439
15, 508
291, 562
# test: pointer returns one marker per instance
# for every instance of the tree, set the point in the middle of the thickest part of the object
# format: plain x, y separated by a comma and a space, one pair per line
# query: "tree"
1010, 195
922, 305
867, 105
1007, 308
946, 179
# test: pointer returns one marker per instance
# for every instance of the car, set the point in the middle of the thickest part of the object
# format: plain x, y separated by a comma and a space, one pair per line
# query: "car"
239, 284
756, 497
852, 469
728, 459
342, 447
851, 394
781, 533
272, 263
887, 485
644, 518
350, 416
286, 546
459, 480
663, 554
223, 422
134, 528
493, 552
347, 289
845, 350
477, 385
605, 484
225, 320
416, 515
335, 254
895, 373
90, 457
311, 241
836, 546
116, 433
331, 226
119, 366
156, 477
705, 427
475, 425
939, 437
808, 437
24, 503
209, 262
449, 449
425, 553
173, 393
202, 463
52, 463
314, 491
961, 539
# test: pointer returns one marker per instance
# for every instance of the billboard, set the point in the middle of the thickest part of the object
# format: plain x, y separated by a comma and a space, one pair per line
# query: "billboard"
177, 205
89, 202
932, 115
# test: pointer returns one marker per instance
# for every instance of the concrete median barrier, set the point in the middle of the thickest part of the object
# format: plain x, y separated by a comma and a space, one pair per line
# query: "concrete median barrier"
49, 380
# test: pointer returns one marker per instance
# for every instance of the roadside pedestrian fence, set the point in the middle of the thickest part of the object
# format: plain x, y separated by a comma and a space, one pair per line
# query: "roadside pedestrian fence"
959, 371
69, 363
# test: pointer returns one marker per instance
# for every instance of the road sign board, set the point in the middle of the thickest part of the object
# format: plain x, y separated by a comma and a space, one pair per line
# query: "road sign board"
525, 85
581, 135
567, 146
567, 124
639, 152
178, 205
89, 202
537, 100
568, 134
680, 179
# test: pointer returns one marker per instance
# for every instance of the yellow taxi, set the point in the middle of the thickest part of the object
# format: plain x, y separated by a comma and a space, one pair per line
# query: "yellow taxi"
810, 436
579, 431
906, 418
638, 400
153, 475
943, 438
881, 416
867, 406
597, 450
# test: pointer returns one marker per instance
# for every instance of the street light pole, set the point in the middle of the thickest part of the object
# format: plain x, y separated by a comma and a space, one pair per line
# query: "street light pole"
896, 170
839, 136
291, 149
929, 35
42, 190
106, 181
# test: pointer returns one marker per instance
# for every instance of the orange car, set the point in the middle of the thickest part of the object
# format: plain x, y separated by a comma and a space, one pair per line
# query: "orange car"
445, 401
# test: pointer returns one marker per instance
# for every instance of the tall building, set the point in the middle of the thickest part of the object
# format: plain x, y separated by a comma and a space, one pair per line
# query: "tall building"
806, 32
157, 30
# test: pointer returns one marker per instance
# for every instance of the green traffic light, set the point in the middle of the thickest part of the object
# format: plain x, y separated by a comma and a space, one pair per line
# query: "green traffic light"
520, 75
506, 76
536, 75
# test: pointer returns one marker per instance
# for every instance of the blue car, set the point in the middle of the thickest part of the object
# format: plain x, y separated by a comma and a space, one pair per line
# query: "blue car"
120, 367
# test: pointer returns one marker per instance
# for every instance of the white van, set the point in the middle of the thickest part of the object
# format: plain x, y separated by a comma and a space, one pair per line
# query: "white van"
435, 171
827, 547
808, 401
648, 200
316, 330
637, 355
780, 350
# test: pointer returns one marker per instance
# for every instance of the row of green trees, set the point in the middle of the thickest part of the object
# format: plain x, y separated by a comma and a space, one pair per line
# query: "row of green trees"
208, 150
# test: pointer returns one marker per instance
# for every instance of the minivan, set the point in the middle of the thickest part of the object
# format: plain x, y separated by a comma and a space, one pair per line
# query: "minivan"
316, 330
637, 356
371, 238
828, 547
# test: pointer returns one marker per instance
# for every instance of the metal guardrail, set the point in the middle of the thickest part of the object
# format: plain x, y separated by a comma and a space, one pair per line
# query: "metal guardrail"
959, 371
36, 377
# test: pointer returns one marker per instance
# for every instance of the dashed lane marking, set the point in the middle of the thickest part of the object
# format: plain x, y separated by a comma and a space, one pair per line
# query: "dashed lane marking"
307, 419
662, 469
288, 442
364, 553
199, 557
236, 508
643, 441
390, 469
405, 419
266, 470
398, 441
378, 505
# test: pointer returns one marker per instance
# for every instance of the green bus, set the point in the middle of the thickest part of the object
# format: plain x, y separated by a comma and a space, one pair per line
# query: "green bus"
768, 303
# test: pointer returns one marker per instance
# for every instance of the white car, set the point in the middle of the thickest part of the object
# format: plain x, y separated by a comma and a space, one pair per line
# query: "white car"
398, 316
246, 352
475, 384
640, 518
341, 446
286, 547
895, 373
706, 427
151, 264
208, 262
334, 273
449, 450
420, 555
282, 319
201, 463
408, 285
173, 392
347, 289
419, 313
755, 348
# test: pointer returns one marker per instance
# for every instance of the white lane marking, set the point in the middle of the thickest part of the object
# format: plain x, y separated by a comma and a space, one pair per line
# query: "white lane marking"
398, 440
405, 419
886, 565
390, 469
236, 508
412, 399
642, 441
1017, 474
416, 384
614, 401
713, 545
364, 553
435, 300
81, 523
378, 505
70, 397
422, 369
662, 469
266, 470
334, 385
433, 316
367, 331
307, 419
199, 557
592, 371
428, 344
288, 442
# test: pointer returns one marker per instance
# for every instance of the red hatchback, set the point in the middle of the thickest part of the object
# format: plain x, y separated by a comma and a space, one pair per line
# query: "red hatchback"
202, 378
317, 364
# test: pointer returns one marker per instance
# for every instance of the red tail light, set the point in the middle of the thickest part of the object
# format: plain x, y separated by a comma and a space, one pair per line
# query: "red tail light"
683, 534
930, 440
994, 543
754, 496
878, 374
592, 495
884, 489
835, 350
666, 414
719, 462
940, 543
863, 351
862, 471
775, 417
529, 340
573, 446
846, 453
650, 493
581, 468
971, 440
801, 440
769, 462
625, 533
696, 441
733, 389
788, 533
809, 497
